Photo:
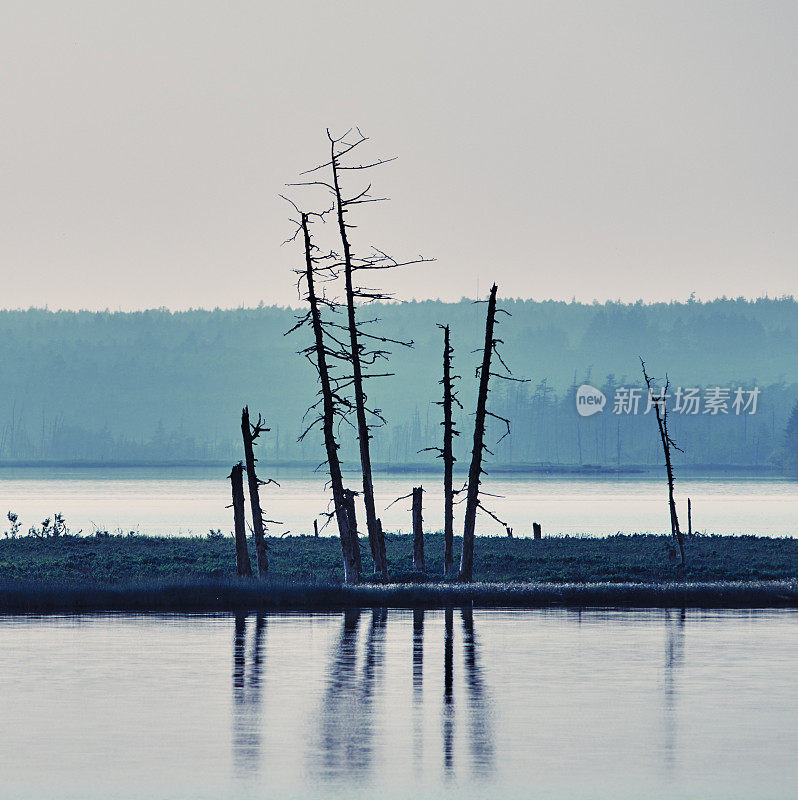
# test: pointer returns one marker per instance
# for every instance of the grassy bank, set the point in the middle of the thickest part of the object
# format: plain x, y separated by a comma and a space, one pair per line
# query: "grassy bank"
616, 559
237, 596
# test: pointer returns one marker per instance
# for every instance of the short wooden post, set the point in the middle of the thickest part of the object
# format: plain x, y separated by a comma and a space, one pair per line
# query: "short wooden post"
418, 532
536, 532
243, 567
316, 528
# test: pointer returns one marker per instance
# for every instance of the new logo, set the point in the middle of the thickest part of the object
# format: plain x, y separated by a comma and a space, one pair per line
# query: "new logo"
589, 400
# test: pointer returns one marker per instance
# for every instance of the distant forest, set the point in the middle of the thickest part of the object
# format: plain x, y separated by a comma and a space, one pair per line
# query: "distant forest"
161, 386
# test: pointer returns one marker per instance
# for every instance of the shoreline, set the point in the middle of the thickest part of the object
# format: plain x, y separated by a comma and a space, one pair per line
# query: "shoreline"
125, 560
249, 596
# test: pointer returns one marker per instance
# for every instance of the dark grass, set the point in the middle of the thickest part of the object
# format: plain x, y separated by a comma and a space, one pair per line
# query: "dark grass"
196, 574
614, 559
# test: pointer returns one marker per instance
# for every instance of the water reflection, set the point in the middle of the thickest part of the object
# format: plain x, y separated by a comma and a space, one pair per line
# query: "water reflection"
349, 724
476, 703
247, 696
347, 728
674, 656
346, 740
297, 705
480, 734
448, 691
418, 651
418, 686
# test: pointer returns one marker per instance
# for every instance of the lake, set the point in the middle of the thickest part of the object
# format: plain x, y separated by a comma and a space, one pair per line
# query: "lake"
390, 704
191, 500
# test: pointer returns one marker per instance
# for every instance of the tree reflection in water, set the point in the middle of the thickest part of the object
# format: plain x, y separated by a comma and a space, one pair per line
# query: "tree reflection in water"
480, 733
448, 692
674, 655
418, 686
348, 724
346, 743
246, 696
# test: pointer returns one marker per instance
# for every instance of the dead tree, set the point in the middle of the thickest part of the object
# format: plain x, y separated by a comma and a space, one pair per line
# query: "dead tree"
661, 412
445, 452
250, 433
475, 472
330, 409
364, 348
418, 531
243, 567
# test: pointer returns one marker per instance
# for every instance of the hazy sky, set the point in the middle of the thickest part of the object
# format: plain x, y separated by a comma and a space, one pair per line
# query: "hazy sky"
596, 150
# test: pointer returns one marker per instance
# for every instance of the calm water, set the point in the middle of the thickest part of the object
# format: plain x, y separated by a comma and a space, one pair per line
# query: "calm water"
396, 704
180, 501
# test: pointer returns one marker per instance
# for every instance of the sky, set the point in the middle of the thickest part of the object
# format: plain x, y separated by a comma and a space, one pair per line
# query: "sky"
588, 150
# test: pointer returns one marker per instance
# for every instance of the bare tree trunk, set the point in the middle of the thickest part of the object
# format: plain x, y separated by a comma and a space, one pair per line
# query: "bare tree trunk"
249, 435
349, 546
671, 501
418, 531
243, 567
376, 540
667, 444
689, 518
536, 531
448, 457
475, 471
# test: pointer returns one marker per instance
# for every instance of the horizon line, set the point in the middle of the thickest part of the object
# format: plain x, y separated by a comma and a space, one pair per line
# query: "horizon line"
690, 300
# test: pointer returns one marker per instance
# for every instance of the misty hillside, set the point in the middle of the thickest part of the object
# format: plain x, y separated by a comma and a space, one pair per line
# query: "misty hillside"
160, 385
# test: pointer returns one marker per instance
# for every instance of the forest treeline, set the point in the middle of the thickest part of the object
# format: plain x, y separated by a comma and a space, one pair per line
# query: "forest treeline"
168, 386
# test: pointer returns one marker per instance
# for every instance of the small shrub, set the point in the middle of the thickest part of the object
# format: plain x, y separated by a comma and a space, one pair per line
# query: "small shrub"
15, 525
50, 528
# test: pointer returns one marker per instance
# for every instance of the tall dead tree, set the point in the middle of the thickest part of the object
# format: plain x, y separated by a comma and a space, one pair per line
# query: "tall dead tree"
475, 472
661, 412
330, 407
357, 353
250, 433
364, 348
243, 567
446, 452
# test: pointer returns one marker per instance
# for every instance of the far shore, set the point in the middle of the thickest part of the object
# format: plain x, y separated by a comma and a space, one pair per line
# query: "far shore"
598, 470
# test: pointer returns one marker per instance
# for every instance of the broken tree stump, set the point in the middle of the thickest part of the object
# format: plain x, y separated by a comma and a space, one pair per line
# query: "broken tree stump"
536, 532
243, 567
418, 531
349, 503
249, 434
